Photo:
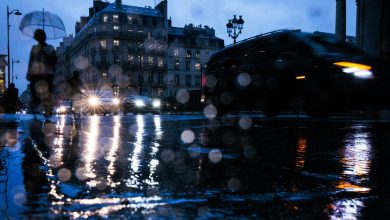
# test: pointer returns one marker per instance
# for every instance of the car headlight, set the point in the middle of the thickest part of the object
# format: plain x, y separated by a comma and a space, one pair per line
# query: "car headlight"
358, 70
156, 103
116, 101
93, 101
139, 103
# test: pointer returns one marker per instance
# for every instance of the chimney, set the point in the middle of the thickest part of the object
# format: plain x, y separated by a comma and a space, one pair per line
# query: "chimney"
163, 8
341, 10
118, 4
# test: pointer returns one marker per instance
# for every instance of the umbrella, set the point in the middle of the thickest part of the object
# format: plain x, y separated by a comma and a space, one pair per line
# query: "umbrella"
51, 23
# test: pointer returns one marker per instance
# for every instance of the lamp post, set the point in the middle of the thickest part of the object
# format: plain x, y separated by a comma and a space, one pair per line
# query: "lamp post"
233, 25
13, 61
16, 12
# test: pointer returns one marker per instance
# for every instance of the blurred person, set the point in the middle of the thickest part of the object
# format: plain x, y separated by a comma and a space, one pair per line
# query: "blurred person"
76, 90
41, 69
11, 96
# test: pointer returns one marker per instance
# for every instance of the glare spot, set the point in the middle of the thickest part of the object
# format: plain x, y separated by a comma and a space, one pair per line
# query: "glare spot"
81, 173
182, 96
49, 129
227, 98
194, 150
215, 156
42, 88
211, 81
55, 161
244, 79
249, 152
245, 123
167, 156
188, 136
234, 184
210, 111
81, 63
116, 70
19, 199
64, 174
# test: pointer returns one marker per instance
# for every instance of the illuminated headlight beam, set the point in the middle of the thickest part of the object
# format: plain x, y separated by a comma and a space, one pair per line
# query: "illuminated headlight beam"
93, 101
116, 101
139, 103
156, 104
358, 70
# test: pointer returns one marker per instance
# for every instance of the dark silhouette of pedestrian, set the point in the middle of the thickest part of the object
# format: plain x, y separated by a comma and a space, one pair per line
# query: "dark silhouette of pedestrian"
76, 84
11, 97
41, 69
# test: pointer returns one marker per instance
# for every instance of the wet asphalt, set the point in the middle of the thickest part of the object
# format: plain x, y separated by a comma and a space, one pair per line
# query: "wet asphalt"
191, 167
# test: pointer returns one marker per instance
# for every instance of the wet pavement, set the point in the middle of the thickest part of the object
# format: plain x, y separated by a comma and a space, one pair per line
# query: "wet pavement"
187, 166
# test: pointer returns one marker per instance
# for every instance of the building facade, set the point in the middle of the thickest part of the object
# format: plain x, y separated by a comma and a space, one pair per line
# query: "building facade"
189, 49
132, 50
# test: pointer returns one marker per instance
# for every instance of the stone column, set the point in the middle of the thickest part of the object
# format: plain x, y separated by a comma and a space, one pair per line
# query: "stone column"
341, 10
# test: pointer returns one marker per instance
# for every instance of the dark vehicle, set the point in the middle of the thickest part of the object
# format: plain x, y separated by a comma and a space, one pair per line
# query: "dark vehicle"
292, 70
140, 104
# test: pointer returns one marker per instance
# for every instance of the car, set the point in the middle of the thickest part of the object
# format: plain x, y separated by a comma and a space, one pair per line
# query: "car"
97, 102
140, 104
294, 71
64, 107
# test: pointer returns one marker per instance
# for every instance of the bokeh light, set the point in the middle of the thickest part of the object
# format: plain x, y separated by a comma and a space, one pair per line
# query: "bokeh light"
215, 155
188, 136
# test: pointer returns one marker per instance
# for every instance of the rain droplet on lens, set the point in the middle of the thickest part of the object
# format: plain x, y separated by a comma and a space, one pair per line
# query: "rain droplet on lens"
167, 156
182, 96
234, 184
244, 79
81, 62
245, 123
81, 173
249, 152
64, 174
55, 161
19, 199
210, 111
188, 136
215, 155
211, 81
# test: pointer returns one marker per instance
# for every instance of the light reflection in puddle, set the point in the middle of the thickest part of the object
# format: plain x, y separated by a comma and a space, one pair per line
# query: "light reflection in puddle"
112, 154
137, 152
89, 153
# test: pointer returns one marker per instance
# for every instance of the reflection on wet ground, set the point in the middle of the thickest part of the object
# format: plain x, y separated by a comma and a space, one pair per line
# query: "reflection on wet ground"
178, 166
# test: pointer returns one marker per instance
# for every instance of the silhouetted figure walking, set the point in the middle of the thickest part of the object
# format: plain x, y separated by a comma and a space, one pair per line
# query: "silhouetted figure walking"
11, 96
41, 69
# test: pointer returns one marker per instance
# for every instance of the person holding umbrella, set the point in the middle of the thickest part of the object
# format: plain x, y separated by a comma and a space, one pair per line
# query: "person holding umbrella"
41, 69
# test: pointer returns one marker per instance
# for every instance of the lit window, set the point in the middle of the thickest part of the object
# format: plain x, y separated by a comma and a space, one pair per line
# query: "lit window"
177, 64
198, 66
104, 74
150, 60
103, 44
116, 28
188, 54
115, 18
116, 43
197, 54
105, 18
129, 18
160, 62
130, 58
176, 53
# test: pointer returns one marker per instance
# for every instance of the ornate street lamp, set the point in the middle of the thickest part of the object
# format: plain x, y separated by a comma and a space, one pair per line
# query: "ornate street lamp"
15, 12
13, 61
233, 25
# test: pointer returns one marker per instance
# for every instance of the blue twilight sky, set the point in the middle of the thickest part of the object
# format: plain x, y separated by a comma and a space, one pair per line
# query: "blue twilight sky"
260, 16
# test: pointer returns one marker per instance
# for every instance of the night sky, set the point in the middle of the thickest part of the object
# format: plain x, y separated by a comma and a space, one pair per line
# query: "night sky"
260, 16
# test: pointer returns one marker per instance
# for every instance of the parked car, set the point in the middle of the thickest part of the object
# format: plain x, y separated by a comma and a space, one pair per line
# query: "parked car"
64, 107
140, 104
292, 70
